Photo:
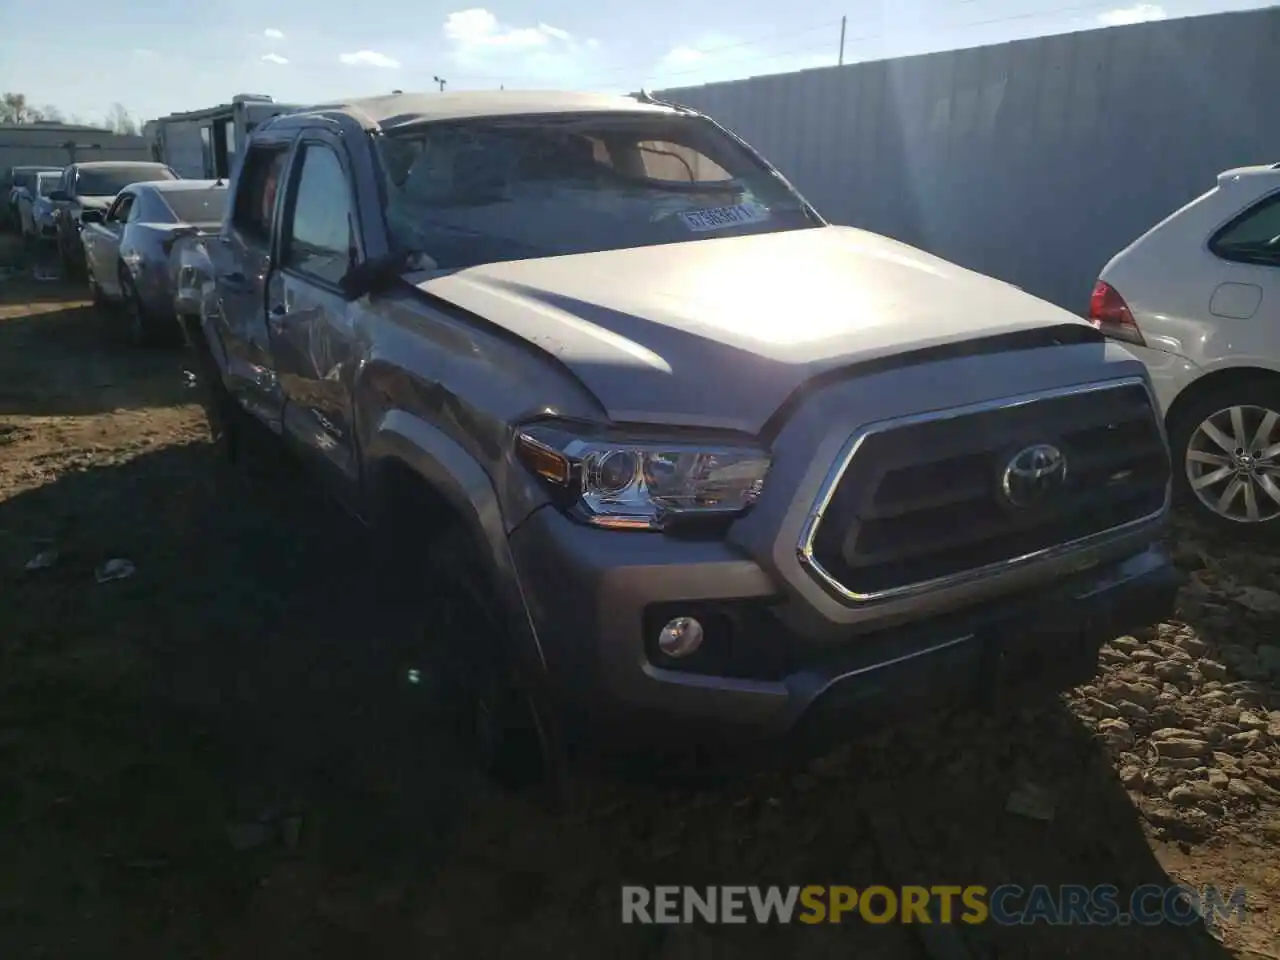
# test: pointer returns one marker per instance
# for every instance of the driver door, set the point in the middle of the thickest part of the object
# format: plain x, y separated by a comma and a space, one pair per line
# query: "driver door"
102, 245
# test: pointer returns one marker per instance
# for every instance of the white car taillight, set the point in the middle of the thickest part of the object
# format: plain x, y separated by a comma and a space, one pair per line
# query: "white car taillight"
1111, 315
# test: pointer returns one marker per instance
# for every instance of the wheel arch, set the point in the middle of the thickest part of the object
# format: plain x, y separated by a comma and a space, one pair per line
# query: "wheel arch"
411, 465
1213, 381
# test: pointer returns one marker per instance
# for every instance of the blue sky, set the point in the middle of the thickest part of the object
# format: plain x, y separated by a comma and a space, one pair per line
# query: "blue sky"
156, 58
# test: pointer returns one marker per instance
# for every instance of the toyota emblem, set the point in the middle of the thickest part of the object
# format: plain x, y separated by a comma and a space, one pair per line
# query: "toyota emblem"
1033, 475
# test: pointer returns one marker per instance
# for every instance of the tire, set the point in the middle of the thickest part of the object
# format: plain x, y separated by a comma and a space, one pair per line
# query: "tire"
450, 643
95, 290
1215, 473
141, 327
222, 413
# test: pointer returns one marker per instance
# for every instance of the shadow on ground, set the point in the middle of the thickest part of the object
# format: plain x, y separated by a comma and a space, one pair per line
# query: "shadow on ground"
60, 359
232, 682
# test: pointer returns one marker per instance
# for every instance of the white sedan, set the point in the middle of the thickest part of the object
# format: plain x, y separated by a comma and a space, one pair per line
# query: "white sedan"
1197, 299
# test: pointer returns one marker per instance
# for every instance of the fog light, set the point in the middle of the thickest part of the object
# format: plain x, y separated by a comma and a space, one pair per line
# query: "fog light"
680, 637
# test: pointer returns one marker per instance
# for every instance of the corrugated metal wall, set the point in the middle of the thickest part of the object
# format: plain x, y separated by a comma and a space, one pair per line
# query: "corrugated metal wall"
38, 144
1033, 161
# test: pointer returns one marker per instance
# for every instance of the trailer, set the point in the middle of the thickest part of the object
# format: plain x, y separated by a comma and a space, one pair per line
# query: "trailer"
204, 144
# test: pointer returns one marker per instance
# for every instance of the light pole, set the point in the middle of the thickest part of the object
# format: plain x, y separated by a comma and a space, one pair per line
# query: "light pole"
439, 80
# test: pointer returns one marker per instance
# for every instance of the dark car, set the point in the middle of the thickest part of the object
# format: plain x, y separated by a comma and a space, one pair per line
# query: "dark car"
87, 191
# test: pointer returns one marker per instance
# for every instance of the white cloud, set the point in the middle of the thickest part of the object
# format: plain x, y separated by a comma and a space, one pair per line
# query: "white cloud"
271, 33
369, 58
477, 30
1138, 13
683, 56
275, 58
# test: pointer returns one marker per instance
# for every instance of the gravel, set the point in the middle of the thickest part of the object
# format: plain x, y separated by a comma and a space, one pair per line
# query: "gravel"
1188, 710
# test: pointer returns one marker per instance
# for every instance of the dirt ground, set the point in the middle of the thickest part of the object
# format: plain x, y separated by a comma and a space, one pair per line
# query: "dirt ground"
201, 761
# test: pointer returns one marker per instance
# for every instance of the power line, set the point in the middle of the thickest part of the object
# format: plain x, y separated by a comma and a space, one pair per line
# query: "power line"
631, 70
883, 35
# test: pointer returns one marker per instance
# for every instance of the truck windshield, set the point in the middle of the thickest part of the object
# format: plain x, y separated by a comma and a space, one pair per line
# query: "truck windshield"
197, 206
487, 190
108, 181
46, 183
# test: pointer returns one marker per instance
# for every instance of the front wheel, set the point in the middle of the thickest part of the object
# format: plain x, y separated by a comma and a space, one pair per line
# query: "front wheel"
141, 327
454, 651
96, 293
1226, 451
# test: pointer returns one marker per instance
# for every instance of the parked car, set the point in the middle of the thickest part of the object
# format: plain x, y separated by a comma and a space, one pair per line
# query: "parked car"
85, 193
35, 209
127, 254
651, 450
1197, 299
16, 182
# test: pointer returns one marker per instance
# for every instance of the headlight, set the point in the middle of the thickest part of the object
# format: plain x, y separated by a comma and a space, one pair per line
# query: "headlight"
642, 484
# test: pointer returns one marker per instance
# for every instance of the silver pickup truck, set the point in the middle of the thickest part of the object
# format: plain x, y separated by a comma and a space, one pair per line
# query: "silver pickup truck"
649, 449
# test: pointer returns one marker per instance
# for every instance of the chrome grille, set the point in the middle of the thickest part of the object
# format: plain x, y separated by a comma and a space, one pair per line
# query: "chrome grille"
918, 501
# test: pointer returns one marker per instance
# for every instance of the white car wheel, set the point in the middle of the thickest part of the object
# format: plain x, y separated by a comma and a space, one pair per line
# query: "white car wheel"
1228, 442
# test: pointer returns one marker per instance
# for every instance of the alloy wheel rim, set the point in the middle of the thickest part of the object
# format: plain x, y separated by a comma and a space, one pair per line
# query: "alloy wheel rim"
1233, 463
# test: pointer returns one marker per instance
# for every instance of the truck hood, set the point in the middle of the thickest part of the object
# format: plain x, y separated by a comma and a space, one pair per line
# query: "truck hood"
95, 203
719, 332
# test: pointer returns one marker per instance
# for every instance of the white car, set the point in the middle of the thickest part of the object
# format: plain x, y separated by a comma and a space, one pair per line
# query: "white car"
1197, 299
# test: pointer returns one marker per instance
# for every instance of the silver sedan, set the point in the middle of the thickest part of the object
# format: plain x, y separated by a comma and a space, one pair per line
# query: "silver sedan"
127, 252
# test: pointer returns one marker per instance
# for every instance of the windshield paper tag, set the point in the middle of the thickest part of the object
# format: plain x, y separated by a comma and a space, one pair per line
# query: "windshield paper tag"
718, 217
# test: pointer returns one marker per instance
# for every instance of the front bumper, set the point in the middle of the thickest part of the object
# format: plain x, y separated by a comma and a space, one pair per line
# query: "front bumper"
598, 597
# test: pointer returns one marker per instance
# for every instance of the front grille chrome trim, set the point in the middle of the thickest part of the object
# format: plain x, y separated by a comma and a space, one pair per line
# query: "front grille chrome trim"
828, 489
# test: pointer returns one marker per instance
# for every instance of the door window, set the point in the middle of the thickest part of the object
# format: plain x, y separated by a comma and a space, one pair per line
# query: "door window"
119, 211
319, 237
1253, 237
256, 192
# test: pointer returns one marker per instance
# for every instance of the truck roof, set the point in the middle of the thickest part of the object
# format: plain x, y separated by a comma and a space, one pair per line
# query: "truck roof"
116, 164
408, 109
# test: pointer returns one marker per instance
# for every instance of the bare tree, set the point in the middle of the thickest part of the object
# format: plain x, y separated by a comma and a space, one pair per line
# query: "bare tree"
51, 114
14, 109
119, 120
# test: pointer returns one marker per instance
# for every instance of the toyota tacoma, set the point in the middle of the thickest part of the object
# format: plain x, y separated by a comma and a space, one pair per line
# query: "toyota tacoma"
649, 448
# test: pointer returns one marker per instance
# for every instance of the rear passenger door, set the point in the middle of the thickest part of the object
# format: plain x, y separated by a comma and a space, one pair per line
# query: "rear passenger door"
311, 321
241, 262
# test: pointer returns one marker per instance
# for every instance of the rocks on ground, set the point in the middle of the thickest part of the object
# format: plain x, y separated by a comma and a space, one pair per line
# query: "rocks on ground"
1190, 710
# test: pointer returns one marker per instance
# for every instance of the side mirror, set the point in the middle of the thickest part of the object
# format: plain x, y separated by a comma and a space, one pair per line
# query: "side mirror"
58, 196
91, 216
372, 276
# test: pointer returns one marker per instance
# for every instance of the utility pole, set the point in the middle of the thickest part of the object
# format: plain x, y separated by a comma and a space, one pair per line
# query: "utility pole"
439, 80
843, 21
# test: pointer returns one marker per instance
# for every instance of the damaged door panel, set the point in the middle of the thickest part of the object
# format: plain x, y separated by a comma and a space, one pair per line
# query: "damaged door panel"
241, 262
309, 317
